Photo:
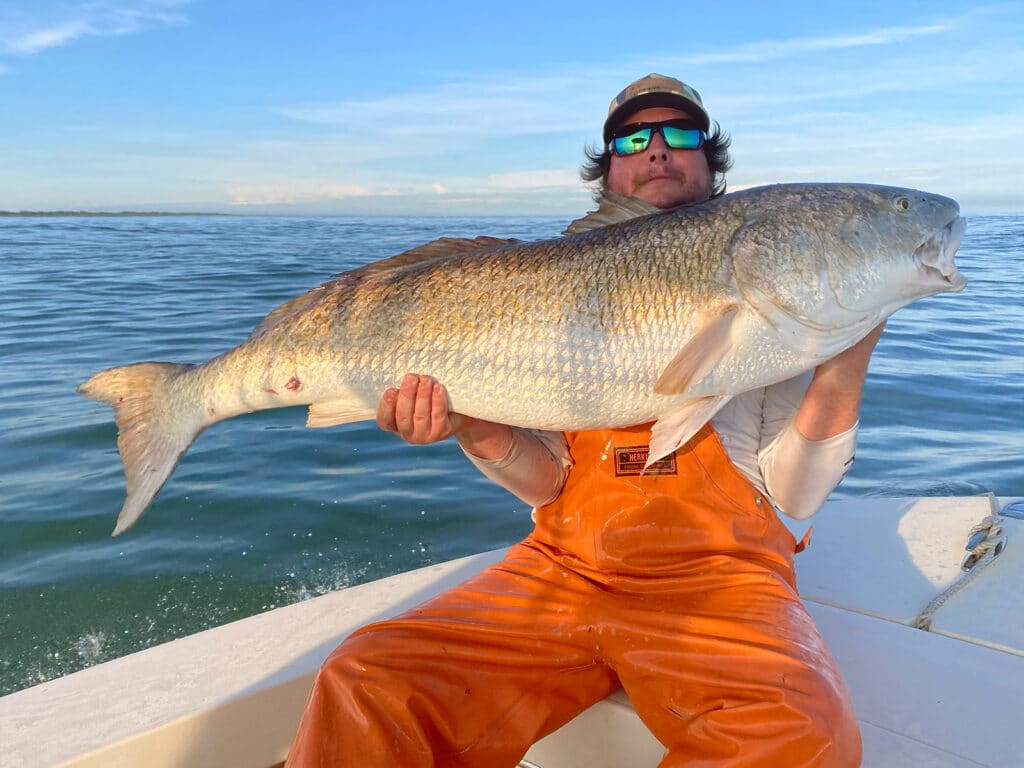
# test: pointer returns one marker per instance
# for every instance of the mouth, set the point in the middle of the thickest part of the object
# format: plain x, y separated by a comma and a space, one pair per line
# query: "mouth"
935, 255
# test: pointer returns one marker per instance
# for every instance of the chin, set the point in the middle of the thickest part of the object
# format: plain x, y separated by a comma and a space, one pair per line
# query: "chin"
668, 198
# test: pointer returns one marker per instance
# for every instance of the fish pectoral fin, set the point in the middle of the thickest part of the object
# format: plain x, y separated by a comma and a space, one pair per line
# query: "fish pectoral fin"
681, 423
699, 355
612, 209
330, 413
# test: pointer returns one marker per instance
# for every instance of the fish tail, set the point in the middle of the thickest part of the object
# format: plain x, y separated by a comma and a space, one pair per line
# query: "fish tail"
153, 433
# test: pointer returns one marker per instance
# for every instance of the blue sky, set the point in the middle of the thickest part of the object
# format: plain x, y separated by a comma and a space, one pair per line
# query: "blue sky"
480, 108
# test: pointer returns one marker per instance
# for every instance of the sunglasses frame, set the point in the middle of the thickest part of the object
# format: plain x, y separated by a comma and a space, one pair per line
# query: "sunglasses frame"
631, 129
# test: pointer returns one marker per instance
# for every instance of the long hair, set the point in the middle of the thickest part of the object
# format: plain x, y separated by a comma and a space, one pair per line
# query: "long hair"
716, 150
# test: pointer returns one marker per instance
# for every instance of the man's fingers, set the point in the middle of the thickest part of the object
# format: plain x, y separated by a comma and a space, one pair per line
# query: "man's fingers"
417, 410
440, 423
421, 410
386, 410
405, 404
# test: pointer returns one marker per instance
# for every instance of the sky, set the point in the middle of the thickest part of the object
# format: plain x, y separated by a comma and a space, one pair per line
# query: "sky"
459, 108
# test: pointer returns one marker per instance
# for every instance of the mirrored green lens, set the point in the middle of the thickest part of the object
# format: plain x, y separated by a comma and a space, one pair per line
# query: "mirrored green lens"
682, 138
631, 143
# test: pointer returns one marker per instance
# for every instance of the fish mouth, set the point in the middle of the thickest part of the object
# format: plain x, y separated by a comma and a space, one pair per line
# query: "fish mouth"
935, 255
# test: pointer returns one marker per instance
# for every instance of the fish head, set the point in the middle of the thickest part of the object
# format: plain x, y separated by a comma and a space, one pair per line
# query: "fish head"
894, 246
843, 256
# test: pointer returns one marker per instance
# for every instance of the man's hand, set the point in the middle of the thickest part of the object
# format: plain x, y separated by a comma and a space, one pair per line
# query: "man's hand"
417, 411
831, 404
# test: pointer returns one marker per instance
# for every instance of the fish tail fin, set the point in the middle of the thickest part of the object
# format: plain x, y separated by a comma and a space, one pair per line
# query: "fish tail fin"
152, 433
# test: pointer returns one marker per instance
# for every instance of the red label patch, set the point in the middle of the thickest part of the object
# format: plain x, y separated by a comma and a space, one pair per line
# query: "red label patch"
630, 460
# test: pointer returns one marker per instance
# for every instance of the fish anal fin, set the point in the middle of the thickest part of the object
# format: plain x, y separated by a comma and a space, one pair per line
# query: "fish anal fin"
699, 355
329, 413
612, 209
677, 426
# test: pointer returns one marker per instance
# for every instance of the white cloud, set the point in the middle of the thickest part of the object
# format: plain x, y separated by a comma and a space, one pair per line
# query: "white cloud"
48, 25
502, 106
774, 49
572, 100
33, 41
292, 192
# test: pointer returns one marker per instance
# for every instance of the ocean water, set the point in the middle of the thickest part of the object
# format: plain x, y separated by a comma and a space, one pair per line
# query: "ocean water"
263, 512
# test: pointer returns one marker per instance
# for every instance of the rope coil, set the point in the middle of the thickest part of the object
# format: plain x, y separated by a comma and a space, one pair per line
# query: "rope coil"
984, 543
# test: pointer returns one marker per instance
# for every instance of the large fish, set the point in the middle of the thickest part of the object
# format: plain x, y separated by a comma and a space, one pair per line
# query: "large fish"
636, 315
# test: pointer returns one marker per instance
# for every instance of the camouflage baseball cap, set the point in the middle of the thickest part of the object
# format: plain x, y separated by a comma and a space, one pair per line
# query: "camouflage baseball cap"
655, 90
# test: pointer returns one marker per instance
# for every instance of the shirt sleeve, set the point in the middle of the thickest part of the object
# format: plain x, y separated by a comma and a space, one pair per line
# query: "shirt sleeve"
534, 468
799, 473
796, 474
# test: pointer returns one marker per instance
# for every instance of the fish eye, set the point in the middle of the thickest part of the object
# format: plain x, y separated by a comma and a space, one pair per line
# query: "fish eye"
901, 203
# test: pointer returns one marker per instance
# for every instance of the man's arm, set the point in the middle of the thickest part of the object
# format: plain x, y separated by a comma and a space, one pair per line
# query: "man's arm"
807, 458
517, 460
831, 404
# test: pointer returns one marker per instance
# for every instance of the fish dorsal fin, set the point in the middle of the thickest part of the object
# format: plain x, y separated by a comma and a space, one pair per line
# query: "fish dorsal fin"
699, 355
437, 249
613, 209
289, 308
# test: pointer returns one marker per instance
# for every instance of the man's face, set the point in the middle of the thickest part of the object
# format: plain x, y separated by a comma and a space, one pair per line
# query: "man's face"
662, 176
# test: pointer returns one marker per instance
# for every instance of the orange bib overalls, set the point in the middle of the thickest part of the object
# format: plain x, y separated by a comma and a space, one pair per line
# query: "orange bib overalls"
676, 584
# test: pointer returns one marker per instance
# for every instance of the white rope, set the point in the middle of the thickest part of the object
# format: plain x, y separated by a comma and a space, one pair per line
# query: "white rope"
979, 557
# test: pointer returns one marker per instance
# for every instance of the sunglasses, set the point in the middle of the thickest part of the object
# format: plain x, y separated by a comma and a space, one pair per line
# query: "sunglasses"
635, 137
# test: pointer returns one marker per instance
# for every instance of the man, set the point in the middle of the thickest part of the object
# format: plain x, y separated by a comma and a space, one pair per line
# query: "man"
676, 584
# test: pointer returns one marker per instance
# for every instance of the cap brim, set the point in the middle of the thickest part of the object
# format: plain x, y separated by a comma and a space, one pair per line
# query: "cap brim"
658, 99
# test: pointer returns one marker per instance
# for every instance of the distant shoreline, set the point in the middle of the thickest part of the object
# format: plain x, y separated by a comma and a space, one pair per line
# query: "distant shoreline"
28, 214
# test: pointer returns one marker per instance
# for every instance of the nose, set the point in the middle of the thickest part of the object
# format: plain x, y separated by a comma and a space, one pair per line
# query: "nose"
657, 150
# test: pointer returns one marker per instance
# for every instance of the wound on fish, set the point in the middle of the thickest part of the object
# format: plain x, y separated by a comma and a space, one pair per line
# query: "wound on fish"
293, 384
